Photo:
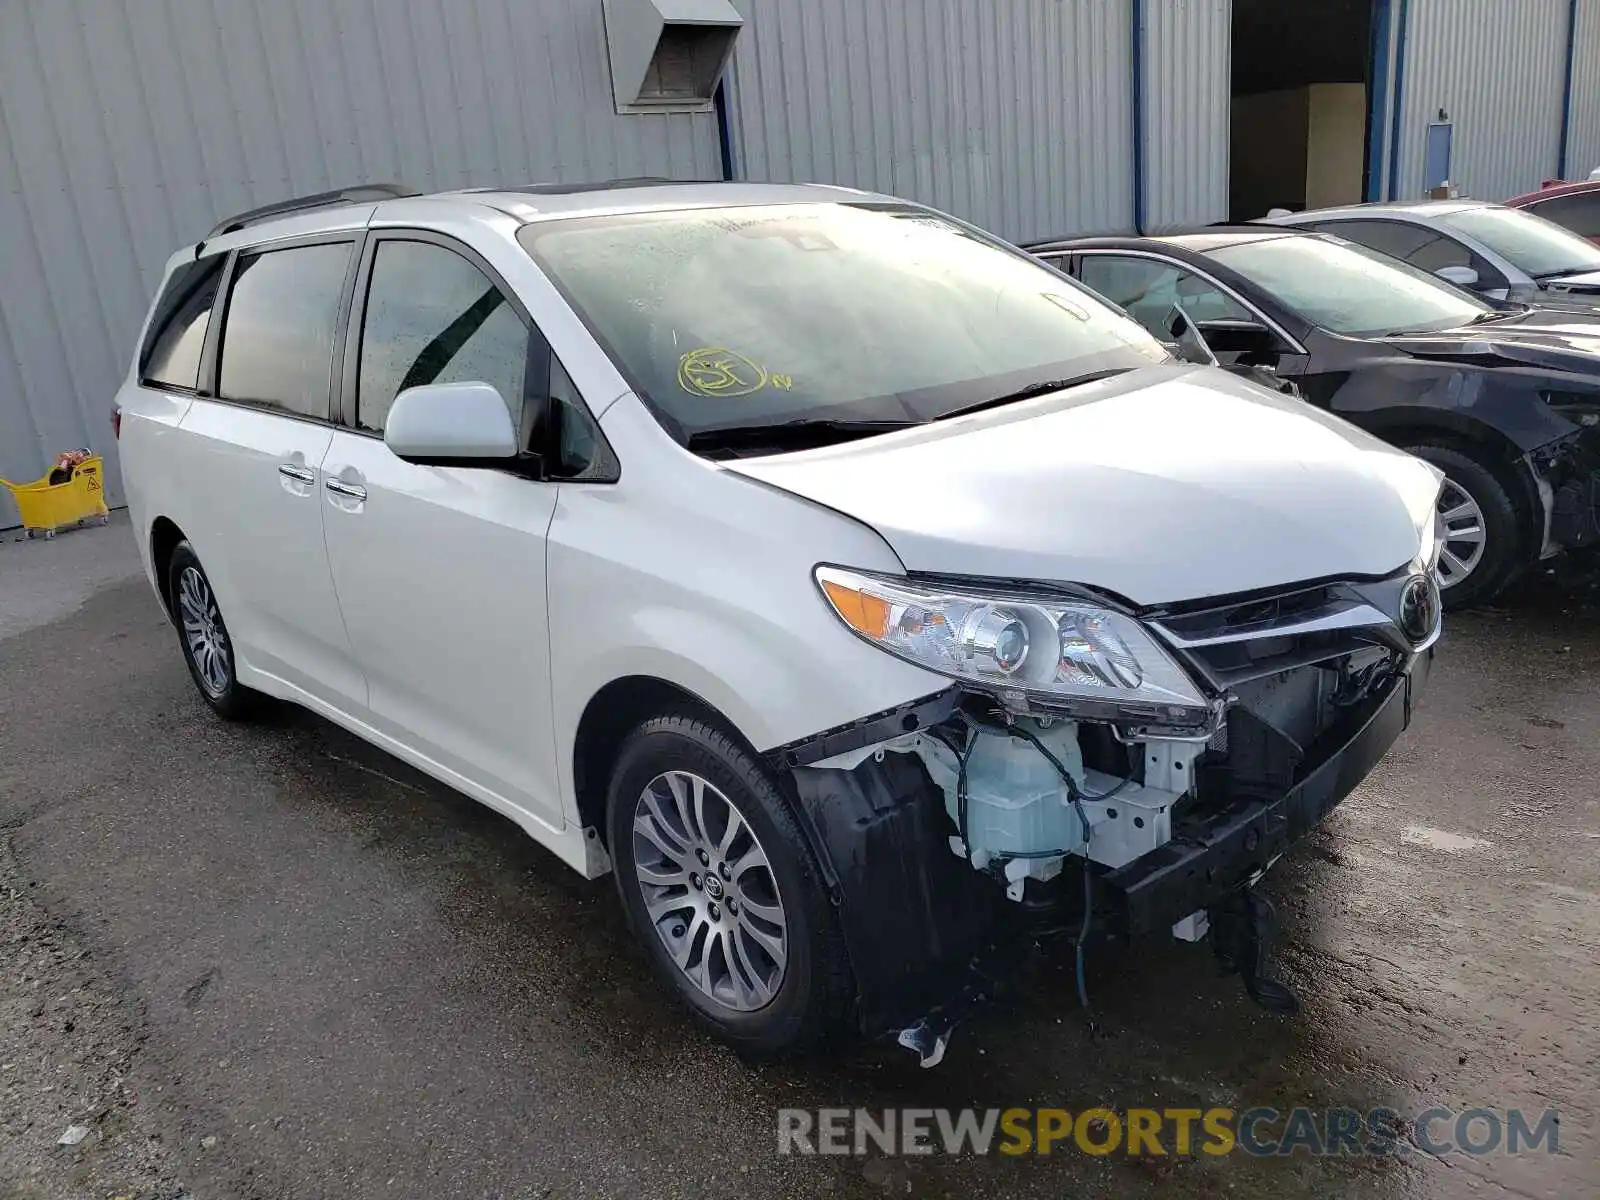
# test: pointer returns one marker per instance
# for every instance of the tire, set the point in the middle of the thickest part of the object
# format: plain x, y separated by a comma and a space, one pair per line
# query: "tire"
204, 640
729, 985
1502, 552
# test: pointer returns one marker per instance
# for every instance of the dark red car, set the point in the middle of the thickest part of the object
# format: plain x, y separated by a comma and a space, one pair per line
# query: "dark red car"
1573, 205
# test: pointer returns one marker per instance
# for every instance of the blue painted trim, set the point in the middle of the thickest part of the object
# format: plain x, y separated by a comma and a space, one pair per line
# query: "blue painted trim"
1140, 201
1566, 90
719, 99
1378, 97
1396, 122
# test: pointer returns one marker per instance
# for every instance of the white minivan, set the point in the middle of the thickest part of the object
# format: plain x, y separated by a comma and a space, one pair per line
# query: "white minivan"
870, 598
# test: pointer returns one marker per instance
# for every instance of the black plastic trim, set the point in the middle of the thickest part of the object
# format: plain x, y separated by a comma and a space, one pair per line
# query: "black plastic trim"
879, 727
1213, 853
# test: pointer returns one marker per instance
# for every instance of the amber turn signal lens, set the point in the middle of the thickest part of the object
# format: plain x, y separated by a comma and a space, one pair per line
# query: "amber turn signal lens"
864, 613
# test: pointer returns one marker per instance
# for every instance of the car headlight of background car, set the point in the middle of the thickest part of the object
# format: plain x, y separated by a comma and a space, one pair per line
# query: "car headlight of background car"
1060, 653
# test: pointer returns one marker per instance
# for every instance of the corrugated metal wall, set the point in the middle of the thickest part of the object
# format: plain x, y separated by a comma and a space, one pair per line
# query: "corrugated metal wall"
127, 127
1015, 114
1497, 67
1188, 81
1583, 137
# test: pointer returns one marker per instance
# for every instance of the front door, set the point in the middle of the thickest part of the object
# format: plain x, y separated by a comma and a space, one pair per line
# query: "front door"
440, 571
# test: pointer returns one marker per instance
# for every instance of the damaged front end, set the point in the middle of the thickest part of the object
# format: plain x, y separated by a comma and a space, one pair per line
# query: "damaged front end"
1566, 473
959, 832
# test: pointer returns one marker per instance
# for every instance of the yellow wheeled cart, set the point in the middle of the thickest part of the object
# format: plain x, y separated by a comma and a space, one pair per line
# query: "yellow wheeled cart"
47, 507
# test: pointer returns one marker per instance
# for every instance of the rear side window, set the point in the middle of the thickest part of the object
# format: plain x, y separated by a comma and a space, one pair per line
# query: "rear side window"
171, 353
277, 337
1579, 212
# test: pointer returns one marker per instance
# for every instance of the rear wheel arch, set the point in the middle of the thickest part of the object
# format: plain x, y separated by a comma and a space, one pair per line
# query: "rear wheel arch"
165, 537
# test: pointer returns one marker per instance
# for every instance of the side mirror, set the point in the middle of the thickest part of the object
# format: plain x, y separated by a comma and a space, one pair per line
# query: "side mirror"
1460, 276
1240, 337
451, 424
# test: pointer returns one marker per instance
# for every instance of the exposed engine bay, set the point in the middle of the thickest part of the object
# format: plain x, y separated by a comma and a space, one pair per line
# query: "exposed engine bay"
964, 832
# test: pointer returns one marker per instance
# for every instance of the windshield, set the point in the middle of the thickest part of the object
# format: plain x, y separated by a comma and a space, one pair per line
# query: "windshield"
783, 314
1349, 289
1530, 243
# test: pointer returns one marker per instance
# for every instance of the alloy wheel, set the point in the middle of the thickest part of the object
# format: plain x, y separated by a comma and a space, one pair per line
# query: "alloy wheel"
709, 891
203, 632
1464, 534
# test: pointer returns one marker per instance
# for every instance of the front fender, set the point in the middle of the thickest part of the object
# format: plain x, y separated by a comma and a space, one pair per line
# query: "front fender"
1497, 405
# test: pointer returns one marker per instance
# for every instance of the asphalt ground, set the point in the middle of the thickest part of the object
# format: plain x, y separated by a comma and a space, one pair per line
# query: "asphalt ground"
268, 961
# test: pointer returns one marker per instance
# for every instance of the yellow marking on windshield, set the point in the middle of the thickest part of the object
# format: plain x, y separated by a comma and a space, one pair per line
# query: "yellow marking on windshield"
714, 371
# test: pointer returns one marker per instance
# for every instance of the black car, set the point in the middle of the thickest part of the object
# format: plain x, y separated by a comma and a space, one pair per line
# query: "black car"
1505, 401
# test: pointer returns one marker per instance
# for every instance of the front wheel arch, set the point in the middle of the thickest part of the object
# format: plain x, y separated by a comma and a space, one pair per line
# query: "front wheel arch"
611, 715
1506, 545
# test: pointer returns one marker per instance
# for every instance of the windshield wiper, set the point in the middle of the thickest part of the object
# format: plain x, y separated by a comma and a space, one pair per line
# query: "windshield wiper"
1036, 389
1500, 314
1578, 270
1483, 318
796, 433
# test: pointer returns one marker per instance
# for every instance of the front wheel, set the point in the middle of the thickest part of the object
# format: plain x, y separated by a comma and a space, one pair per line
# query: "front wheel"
1484, 545
721, 887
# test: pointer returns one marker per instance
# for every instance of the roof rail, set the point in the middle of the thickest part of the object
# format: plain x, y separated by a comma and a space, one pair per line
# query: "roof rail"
365, 193
597, 185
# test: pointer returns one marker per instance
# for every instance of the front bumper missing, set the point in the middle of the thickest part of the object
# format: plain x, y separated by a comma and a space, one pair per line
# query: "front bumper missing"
1567, 477
1221, 850
928, 936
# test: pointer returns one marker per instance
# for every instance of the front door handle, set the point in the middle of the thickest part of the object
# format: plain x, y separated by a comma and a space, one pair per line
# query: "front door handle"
299, 474
340, 488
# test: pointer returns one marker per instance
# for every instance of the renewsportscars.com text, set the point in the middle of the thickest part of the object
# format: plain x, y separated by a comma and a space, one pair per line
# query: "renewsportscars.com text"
1157, 1132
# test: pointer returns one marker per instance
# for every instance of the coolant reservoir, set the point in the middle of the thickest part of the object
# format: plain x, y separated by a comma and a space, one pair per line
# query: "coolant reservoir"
1016, 801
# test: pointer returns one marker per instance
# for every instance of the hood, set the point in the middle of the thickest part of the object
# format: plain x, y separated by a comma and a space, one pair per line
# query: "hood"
1546, 338
1582, 282
1165, 484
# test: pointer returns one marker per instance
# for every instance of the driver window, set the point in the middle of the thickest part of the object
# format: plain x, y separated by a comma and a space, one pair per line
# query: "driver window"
1440, 252
433, 317
1422, 248
1148, 289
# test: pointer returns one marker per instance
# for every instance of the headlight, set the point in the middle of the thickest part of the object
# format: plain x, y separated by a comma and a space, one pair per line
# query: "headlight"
1054, 650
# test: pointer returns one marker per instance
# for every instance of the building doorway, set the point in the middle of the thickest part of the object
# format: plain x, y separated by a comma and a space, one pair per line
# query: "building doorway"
1301, 105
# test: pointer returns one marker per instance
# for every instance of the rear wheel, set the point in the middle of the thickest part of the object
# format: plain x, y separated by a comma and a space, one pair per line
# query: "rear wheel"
203, 635
1485, 547
721, 888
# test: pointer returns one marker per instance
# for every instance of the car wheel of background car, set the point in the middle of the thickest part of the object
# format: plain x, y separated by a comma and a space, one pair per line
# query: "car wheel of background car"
203, 634
1483, 551
722, 889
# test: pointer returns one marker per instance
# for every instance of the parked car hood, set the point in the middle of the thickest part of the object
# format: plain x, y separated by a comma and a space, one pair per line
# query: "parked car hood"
1165, 484
1547, 338
1579, 281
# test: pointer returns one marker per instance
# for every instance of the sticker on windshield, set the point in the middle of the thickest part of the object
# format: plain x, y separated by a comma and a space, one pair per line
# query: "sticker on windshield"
713, 371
